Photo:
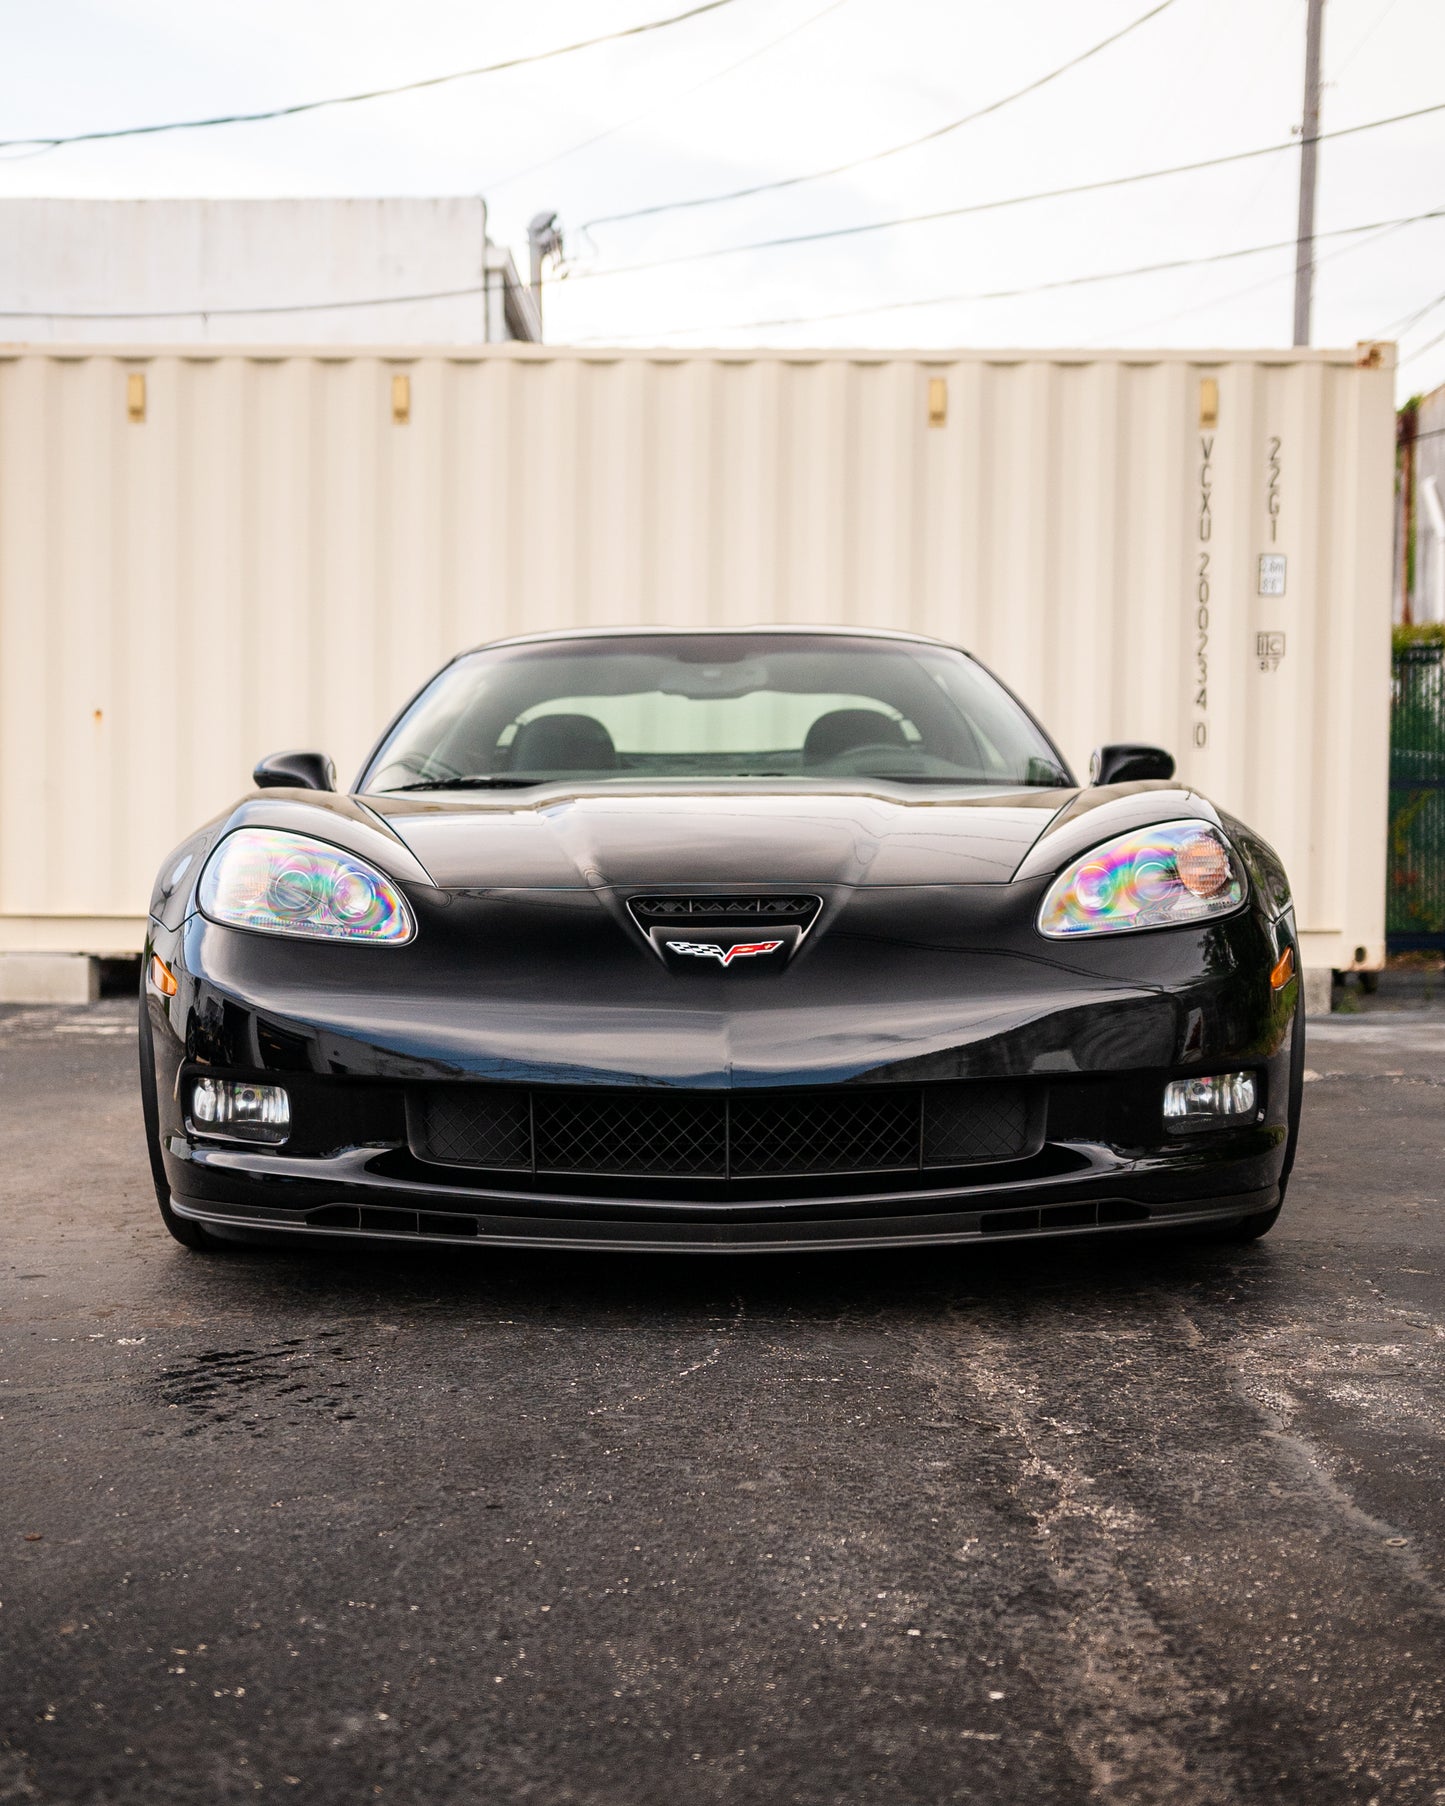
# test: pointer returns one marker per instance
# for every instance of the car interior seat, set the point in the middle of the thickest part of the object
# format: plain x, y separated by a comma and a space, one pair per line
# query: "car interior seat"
842, 730
562, 743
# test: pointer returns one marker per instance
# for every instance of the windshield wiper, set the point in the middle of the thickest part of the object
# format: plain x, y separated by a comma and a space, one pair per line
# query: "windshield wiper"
477, 783
956, 782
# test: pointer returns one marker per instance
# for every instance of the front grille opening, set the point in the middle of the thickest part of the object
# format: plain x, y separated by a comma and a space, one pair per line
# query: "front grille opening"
1062, 1216
871, 1132
968, 1125
483, 1126
335, 1216
649, 1134
711, 1136
385, 1219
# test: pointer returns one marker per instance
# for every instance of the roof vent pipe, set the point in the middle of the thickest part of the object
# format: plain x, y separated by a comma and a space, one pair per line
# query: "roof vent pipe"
544, 239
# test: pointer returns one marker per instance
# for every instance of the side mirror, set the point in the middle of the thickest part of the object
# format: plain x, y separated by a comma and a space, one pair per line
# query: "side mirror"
1126, 762
296, 770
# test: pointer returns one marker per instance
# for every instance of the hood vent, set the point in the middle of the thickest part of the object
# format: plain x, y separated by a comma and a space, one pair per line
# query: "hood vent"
752, 910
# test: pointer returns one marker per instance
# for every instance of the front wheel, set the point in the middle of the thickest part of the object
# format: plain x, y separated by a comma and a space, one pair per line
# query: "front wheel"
1250, 1229
188, 1234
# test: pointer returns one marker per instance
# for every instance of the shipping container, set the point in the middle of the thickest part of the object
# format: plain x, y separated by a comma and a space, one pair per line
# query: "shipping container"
209, 555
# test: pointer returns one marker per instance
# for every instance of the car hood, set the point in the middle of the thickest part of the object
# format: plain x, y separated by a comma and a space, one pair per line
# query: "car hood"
569, 838
561, 837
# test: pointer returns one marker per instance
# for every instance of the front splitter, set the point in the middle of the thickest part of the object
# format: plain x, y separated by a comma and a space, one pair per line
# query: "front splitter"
378, 1223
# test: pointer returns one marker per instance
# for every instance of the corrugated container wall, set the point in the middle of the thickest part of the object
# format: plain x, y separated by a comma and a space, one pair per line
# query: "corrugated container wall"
246, 551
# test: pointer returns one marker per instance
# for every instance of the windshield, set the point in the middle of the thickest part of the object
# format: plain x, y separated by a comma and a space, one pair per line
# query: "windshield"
714, 706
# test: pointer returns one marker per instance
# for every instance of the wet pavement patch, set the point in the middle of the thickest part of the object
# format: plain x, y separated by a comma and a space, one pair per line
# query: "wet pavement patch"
285, 1384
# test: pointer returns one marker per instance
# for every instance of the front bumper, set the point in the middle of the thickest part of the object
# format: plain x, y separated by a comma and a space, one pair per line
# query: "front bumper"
1087, 1045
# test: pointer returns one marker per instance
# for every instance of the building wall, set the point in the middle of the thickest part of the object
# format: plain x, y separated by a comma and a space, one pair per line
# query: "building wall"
271, 559
148, 256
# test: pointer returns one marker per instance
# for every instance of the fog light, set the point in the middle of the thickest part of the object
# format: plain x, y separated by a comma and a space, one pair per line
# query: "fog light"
1189, 1103
234, 1110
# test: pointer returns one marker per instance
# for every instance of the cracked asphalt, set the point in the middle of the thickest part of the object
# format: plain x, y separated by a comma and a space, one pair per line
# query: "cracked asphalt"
1144, 1522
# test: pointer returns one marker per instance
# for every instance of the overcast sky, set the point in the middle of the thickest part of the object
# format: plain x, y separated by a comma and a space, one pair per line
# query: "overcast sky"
818, 82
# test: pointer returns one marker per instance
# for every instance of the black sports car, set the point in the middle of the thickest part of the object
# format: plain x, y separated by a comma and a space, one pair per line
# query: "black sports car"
776, 938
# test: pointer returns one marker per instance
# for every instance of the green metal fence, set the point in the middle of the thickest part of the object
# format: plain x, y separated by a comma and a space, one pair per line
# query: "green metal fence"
1415, 907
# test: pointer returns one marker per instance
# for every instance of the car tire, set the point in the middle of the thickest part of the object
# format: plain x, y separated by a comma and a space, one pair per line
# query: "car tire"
188, 1234
1250, 1229
1296, 1102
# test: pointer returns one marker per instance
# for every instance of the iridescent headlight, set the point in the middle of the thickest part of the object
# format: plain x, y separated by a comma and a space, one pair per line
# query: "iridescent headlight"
1185, 871
282, 883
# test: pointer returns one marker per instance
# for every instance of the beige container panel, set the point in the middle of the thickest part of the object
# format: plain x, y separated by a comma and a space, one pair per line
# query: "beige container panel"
273, 558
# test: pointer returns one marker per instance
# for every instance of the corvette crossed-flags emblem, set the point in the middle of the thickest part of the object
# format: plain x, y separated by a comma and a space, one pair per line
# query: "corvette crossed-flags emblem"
723, 955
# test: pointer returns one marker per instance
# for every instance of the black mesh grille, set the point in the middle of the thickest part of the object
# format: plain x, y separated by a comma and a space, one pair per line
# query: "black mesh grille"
967, 1123
719, 1136
481, 1125
630, 1133
866, 1133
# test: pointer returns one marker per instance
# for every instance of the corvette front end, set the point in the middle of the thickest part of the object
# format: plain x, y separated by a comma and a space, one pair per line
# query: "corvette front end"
719, 941
853, 1064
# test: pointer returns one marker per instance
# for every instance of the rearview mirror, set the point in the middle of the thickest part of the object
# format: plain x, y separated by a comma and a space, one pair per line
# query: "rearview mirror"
296, 770
1126, 762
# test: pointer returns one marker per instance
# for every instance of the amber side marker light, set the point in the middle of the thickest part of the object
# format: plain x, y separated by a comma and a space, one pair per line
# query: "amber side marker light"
162, 977
1283, 971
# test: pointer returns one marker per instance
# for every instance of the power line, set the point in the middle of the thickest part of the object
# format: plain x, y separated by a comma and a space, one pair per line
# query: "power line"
1361, 42
450, 294
222, 313
1040, 288
1407, 322
894, 150
493, 184
1420, 351
1015, 200
1254, 288
346, 100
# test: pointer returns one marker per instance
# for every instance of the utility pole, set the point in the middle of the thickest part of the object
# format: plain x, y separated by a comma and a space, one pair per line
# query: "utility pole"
1304, 262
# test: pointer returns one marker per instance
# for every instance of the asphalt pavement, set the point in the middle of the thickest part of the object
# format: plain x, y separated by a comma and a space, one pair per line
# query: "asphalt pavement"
1145, 1521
